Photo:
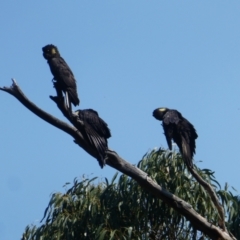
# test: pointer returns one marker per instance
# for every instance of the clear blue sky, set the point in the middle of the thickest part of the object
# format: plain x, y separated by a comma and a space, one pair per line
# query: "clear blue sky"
129, 57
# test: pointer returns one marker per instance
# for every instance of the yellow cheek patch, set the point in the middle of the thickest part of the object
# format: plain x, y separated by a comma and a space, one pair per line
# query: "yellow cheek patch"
162, 109
53, 51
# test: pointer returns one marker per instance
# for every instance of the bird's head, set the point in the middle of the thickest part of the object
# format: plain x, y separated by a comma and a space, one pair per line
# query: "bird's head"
159, 113
50, 51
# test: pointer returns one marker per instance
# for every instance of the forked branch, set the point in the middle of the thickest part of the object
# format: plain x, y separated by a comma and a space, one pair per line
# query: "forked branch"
115, 161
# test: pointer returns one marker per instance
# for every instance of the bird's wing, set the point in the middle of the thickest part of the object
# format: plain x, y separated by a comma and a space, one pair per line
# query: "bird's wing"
98, 142
63, 74
92, 136
62, 71
190, 134
97, 123
185, 139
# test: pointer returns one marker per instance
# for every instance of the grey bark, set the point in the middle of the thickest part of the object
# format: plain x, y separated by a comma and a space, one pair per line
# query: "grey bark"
115, 161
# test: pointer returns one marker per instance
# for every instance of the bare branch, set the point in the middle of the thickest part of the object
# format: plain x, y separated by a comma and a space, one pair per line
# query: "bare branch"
115, 161
212, 195
173, 201
15, 91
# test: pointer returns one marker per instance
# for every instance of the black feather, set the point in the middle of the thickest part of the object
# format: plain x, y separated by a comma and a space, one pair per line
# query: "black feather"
62, 73
179, 129
96, 132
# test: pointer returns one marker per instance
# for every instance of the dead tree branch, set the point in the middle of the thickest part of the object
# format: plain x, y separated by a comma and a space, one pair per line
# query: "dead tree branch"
212, 195
115, 161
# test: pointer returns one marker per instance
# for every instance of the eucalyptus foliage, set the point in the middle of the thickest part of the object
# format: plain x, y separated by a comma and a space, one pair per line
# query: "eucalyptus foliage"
121, 209
234, 220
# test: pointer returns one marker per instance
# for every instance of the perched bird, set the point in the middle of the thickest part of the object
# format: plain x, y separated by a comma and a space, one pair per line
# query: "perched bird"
179, 129
96, 132
62, 74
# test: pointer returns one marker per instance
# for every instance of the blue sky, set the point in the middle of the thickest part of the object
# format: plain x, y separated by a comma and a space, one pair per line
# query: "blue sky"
129, 57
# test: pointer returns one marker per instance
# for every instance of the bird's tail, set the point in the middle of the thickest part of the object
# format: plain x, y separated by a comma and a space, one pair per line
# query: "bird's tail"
73, 96
186, 153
